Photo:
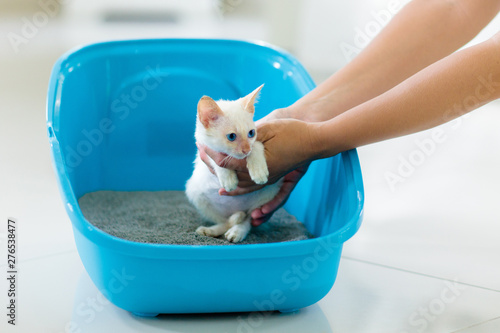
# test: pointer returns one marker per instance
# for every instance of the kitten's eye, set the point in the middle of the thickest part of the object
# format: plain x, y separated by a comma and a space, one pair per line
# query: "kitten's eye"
251, 134
231, 136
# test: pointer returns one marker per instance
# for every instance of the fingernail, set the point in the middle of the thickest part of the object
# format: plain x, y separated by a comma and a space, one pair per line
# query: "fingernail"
256, 214
256, 223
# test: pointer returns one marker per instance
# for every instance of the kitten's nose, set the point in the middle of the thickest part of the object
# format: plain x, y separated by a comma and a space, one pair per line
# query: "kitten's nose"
245, 148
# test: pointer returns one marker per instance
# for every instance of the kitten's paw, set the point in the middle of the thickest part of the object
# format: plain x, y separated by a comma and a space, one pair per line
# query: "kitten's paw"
235, 234
205, 231
259, 174
236, 218
229, 181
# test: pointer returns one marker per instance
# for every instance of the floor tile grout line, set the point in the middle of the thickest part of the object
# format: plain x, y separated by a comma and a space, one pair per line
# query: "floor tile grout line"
475, 325
43, 257
421, 274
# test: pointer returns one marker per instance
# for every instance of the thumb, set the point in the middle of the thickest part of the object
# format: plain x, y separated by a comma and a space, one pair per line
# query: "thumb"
265, 131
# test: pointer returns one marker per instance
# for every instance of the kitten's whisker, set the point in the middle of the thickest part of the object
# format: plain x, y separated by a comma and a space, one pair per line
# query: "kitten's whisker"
226, 160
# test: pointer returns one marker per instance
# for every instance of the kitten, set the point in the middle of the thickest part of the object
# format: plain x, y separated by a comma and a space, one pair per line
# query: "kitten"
228, 127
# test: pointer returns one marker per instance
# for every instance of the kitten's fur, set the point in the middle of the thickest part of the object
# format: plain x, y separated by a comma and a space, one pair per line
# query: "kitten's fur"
215, 123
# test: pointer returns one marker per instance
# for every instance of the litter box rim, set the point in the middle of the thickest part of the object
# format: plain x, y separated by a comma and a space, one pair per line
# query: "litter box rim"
192, 252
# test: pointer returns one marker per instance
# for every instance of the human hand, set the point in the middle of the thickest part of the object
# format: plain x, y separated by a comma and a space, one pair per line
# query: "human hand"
264, 213
289, 149
240, 166
288, 145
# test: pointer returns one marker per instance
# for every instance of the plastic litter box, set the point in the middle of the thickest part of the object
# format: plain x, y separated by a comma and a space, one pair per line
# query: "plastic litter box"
121, 116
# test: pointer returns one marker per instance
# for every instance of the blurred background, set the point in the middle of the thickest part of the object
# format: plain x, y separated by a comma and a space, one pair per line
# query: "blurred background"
438, 225
322, 34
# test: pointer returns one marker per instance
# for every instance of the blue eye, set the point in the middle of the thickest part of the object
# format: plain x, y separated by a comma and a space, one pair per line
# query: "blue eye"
231, 136
251, 134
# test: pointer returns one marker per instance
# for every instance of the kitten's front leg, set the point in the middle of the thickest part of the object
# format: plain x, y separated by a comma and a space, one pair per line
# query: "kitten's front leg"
256, 164
227, 178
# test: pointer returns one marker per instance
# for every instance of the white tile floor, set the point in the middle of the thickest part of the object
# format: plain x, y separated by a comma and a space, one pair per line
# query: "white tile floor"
426, 258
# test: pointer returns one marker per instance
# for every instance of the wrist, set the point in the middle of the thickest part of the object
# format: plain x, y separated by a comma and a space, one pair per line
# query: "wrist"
289, 112
318, 109
324, 139
283, 113
304, 110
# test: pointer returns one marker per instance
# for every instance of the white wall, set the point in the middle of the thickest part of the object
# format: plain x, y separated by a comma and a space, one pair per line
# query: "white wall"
323, 34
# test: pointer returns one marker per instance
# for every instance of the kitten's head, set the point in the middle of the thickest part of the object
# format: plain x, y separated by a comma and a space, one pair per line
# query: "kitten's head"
227, 126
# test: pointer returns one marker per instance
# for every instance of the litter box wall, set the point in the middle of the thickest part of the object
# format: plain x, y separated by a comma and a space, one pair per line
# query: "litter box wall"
137, 107
121, 115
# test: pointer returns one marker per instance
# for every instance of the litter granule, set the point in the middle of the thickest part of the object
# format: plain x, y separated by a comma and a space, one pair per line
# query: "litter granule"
167, 217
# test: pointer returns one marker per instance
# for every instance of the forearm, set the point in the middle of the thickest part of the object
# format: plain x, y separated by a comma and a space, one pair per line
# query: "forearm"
439, 93
423, 32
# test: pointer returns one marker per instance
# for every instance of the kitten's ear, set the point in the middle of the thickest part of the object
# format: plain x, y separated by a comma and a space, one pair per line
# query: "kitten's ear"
208, 111
249, 100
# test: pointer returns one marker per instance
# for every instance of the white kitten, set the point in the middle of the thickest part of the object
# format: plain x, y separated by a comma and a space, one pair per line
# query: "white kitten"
228, 127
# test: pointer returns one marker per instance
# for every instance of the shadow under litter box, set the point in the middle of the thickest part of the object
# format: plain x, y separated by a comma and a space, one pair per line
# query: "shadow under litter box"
167, 217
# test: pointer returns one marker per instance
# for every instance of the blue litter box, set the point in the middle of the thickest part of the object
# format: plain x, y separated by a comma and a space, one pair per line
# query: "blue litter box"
121, 116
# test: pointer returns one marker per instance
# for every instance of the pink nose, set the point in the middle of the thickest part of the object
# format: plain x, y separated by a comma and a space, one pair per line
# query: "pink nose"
245, 148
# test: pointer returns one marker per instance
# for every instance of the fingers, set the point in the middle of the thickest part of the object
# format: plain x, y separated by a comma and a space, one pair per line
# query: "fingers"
276, 114
245, 182
204, 157
264, 213
241, 190
259, 221
264, 131
223, 160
